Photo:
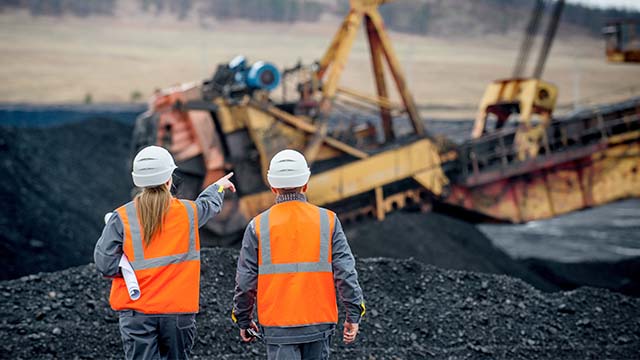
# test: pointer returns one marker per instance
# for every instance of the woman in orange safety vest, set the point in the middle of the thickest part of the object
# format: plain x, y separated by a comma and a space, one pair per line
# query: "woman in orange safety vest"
157, 235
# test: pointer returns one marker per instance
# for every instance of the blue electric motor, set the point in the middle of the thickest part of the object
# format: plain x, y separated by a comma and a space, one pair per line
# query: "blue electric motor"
260, 75
263, 75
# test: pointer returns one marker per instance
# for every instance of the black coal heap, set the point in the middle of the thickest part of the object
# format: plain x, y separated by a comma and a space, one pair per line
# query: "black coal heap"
415, 311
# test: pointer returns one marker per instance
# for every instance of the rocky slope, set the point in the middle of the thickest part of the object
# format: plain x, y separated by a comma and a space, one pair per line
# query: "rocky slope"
415, 311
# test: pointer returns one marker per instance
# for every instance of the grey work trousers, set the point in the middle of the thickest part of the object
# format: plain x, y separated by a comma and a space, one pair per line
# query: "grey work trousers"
157, 336
317, 350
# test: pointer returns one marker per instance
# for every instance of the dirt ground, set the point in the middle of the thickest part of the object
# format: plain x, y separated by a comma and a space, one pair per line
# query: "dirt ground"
51, 60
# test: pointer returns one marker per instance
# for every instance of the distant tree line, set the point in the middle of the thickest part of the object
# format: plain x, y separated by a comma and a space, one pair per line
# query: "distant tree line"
255, 10
180, 8
80, 8
477, 17
408, 16
438, 17
594, 19
264, 10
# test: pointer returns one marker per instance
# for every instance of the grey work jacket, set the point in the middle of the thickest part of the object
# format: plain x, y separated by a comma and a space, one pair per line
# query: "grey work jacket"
344, 275
108, 249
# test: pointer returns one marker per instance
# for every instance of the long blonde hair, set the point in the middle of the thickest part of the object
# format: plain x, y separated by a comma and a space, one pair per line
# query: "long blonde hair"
153, 205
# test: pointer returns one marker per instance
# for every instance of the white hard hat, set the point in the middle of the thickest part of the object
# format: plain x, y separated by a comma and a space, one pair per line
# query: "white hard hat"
288, 169
152, 166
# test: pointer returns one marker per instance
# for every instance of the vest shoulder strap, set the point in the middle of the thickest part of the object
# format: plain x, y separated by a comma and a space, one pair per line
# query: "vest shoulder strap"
129, 215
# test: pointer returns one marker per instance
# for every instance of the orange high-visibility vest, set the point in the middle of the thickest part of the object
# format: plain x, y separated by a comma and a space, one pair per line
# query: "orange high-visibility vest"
168, 270
295, 276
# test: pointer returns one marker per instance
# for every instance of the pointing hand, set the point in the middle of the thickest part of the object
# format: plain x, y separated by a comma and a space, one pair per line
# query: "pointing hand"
225, 183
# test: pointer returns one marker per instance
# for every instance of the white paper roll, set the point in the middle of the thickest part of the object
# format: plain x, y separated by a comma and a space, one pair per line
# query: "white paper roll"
107, 216
129, 278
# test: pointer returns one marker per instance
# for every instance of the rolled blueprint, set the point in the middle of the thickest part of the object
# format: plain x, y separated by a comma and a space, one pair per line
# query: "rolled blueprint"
129, 278
127, 271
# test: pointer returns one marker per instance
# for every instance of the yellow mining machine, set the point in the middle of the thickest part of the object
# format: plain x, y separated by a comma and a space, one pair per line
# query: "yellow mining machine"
230, 122
622, 41
367, 168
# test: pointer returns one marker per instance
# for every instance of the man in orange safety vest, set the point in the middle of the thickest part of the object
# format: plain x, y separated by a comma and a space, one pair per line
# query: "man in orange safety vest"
293, 257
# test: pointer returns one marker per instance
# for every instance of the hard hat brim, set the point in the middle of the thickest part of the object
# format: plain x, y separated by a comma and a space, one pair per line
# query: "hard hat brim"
285, 182
155, 179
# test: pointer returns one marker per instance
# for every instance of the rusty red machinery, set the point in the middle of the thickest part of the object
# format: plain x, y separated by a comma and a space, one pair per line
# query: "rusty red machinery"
585, 160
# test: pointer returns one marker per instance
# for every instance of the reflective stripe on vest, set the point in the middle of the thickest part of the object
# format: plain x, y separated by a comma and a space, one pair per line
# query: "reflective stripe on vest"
139, 262
322, 265
168, 269
134, 229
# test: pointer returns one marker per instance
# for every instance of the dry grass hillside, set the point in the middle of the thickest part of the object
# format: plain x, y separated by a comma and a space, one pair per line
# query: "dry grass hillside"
61, 60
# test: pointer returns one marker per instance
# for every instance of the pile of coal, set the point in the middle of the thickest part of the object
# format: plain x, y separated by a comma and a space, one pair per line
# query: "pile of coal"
621, 276
415, 311
56, 185
438, 240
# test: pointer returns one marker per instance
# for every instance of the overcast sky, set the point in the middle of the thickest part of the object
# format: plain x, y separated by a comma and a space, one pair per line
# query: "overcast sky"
632, 4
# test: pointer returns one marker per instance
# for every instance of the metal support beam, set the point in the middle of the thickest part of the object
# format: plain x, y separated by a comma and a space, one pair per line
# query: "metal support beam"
548, 39
378, 71
379, 206
394, 66
330, 54
333, 62
311, 129
382, 102
341, 54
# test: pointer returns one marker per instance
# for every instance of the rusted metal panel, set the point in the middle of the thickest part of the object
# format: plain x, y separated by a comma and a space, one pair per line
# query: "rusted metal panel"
598, 178
615, 173
532, 165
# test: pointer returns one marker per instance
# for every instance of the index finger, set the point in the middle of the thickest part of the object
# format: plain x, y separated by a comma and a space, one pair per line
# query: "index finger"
227, 177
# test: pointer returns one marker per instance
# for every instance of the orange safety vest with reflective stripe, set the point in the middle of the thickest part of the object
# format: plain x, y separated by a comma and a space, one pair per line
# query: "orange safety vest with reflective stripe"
168, 270
295, 276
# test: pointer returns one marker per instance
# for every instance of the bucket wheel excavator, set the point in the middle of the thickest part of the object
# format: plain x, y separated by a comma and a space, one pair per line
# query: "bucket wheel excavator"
231, 122
520, 164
